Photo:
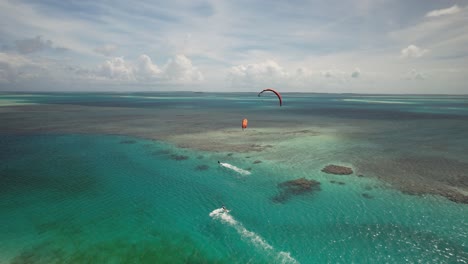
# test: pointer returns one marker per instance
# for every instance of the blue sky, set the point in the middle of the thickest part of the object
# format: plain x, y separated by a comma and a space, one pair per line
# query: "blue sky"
359, 46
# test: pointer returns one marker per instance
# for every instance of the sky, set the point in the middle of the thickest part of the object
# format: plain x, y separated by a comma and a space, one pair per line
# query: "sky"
346, 46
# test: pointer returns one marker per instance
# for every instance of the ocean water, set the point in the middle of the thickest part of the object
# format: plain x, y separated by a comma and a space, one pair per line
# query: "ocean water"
132, 192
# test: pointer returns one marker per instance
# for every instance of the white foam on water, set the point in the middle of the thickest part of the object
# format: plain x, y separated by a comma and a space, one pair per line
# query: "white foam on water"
234, 168
258, 241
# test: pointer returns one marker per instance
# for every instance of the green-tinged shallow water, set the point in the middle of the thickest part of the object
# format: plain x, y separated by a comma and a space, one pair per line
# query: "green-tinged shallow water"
113, 199
80, 184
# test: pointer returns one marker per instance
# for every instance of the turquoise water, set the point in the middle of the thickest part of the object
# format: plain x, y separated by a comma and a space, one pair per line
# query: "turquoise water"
113, 199
82, 181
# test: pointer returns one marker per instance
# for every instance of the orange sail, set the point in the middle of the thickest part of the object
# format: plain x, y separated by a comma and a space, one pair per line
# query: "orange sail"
244, 123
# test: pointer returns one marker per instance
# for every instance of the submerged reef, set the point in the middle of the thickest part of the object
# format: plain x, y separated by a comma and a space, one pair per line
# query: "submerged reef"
423, 175
295, 187
336, 169
450, 194
161, 249
128, 141
178, 157
337, 182
161, 152
202, 167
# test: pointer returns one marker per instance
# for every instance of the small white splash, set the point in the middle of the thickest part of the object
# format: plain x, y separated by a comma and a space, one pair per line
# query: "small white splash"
223, 215
258, 241
285, 257
234, 168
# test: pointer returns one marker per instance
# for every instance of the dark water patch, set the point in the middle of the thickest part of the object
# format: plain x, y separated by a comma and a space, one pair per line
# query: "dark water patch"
160, 249
69, 183
61, 227
200, 157
230, 154
202, 167
291, 188
257, 162
258, 147
337, 182
300, 133
374, 112
367, 196
442, 190
456, 197
420, 188
45, 227
128, 141
161, 152
179, 157
448, 193
459, 181
338, 170
437, 168
165, 151
419, 175
9, 149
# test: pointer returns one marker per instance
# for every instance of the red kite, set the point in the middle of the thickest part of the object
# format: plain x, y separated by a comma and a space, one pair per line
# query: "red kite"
277, 94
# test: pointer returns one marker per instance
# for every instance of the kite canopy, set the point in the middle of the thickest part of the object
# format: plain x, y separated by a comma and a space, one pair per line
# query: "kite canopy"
277, 94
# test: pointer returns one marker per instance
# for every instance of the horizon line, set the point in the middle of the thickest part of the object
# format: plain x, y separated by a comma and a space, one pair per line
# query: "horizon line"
188, 91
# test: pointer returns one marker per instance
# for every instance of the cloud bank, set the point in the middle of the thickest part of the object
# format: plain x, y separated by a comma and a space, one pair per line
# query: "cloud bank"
306, 46
443, 12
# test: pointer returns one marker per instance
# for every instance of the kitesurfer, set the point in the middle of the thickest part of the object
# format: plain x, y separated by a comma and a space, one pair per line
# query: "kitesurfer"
244, 123
219, 162
224, 208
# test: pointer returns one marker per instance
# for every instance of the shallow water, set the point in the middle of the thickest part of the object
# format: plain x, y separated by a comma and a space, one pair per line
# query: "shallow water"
80, 198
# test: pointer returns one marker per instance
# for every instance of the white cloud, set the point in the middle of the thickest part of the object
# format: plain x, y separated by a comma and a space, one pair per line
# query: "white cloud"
181, 69
177, 69
413, 51
106, 50
146, 69
442, 12
116, 69
15, 67
268, 73
264, 72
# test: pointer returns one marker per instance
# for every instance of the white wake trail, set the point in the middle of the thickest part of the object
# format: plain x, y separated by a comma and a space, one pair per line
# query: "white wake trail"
234, 168
258, 241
